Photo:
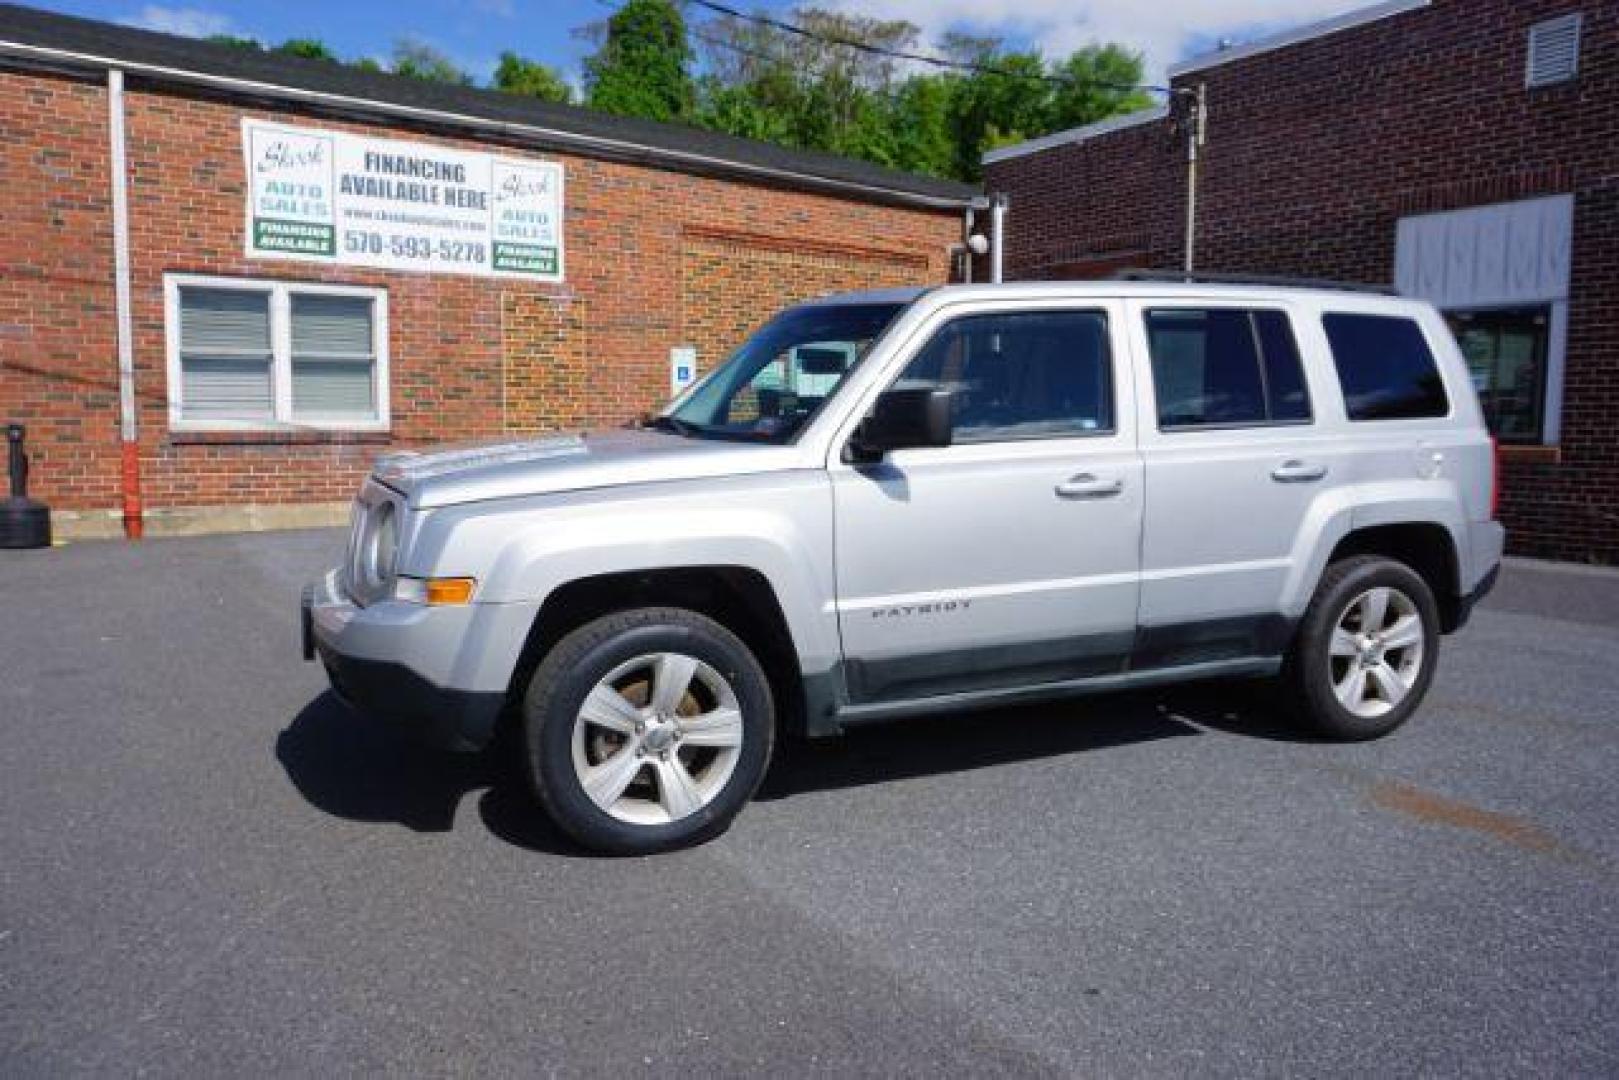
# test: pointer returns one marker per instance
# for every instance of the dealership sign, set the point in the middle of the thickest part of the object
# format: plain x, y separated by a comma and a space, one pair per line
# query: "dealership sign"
324, 196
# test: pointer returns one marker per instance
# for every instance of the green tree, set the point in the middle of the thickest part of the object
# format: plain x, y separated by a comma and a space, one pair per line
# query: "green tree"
528, 78
735, 110
920, 115
235, 41
309, 48
419, 60
1095, 70
1007, 103
836, 89
643, 66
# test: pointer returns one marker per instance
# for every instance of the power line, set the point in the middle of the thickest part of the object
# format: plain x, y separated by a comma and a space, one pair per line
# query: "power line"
696, 31
924, 58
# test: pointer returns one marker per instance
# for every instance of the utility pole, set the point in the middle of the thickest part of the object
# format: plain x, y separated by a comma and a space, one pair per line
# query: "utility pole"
1196, 136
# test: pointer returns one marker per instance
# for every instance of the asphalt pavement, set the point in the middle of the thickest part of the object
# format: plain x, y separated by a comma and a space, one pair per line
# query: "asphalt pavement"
209, 866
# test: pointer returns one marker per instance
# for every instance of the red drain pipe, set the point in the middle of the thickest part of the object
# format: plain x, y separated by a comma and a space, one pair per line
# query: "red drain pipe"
130, 473
133, 518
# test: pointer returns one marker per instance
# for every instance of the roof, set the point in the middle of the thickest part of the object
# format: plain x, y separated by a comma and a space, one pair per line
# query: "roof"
1112, 288
1078, 134
1297, 35
1308, 32
46, 39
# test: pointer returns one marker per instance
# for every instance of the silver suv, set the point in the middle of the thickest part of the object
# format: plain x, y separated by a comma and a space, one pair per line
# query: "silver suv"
894, 504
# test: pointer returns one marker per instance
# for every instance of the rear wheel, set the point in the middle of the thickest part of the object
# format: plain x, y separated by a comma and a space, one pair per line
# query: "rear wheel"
647, 730
1365, 651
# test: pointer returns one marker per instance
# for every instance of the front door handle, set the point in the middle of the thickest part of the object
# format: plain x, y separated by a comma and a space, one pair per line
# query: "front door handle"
1088, 486
1295, 471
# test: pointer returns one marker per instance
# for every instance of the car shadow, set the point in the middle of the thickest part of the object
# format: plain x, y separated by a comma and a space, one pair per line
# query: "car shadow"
946, 743
359, 768
1249, 707
931, 745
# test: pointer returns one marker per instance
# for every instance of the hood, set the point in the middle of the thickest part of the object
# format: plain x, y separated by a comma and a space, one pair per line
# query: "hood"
543, 466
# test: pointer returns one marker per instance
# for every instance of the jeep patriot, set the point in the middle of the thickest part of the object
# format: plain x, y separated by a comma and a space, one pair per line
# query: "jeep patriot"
897, 503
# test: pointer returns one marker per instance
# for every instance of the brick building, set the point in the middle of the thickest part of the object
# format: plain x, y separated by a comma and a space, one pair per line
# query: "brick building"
1465, 151
407, 263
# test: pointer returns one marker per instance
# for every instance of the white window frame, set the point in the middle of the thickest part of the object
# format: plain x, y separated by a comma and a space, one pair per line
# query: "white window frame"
280, 294
1426, 266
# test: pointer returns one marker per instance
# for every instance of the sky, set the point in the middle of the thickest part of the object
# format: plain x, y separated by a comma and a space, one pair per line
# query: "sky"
473, 33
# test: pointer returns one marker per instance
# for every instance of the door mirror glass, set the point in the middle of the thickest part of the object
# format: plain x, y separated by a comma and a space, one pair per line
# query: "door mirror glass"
903, 417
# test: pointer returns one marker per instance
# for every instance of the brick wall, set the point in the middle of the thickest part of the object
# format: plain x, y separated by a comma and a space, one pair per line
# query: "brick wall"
58, 358
1317, 149
470, 357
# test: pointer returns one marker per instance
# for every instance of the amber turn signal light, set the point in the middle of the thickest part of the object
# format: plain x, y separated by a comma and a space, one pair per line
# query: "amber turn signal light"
450, 590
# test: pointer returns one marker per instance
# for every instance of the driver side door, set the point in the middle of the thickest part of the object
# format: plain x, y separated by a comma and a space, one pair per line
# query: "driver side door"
1011, 557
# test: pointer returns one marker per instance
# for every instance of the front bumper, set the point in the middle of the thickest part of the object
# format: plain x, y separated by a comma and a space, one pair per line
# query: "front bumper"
381, 660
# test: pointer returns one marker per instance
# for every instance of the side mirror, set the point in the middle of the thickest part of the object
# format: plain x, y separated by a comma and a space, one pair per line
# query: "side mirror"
903, 418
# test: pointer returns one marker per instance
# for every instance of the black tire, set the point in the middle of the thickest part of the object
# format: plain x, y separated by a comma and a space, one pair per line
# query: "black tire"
1308, 672
575, 666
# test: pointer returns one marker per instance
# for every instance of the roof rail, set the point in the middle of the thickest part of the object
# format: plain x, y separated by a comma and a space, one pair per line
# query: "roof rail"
1198, 277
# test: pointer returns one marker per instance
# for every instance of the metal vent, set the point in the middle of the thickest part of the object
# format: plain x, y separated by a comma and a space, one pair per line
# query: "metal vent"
1554, 50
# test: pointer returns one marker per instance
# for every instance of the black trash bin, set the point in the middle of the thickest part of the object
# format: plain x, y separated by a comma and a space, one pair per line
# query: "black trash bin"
24, 522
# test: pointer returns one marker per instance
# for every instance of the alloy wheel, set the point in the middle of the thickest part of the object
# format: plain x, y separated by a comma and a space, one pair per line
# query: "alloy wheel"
657, 738
1376, 653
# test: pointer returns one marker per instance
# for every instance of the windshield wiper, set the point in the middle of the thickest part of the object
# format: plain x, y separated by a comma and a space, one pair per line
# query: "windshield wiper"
684, 428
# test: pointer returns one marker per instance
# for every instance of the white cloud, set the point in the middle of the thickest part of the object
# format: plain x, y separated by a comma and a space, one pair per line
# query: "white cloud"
187, 22
1163, 30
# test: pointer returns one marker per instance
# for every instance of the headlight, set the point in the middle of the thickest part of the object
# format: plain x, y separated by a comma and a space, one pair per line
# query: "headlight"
382, 553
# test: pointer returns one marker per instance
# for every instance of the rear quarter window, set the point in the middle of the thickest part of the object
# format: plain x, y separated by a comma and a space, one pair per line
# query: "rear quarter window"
1385, 367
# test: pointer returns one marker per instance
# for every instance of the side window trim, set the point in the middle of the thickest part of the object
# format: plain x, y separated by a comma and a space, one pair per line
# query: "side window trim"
1109, 369
1146, 309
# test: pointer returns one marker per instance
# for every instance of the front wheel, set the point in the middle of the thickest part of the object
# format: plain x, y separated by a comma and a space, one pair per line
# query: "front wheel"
647, 730
1364, 654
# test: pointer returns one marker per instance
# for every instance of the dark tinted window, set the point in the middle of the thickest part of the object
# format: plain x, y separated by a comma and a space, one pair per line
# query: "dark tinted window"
1284, 371
1385, 367
1022, 375
1506, 352
1214, 366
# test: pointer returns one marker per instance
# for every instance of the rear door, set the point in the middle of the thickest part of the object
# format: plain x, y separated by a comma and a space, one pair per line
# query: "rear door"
1236, 454
1009, 558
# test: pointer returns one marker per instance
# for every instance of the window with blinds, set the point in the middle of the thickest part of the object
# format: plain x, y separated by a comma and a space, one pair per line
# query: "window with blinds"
225, 354
332, 357
270, 354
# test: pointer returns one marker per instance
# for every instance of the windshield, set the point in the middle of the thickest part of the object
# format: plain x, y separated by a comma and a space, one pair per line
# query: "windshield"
771, 387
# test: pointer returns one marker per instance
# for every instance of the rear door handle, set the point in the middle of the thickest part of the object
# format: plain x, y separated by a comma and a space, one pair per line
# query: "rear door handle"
1088, 486
1295, 471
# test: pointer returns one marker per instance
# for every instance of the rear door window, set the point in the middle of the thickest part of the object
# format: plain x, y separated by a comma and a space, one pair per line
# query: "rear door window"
1221, 367
1385, 367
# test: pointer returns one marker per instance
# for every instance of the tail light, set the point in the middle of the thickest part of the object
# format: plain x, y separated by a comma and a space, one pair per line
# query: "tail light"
1495, 477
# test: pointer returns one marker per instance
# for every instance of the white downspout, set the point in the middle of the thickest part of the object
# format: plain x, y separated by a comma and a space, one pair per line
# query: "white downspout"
125, 323
997, 249
967, 226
